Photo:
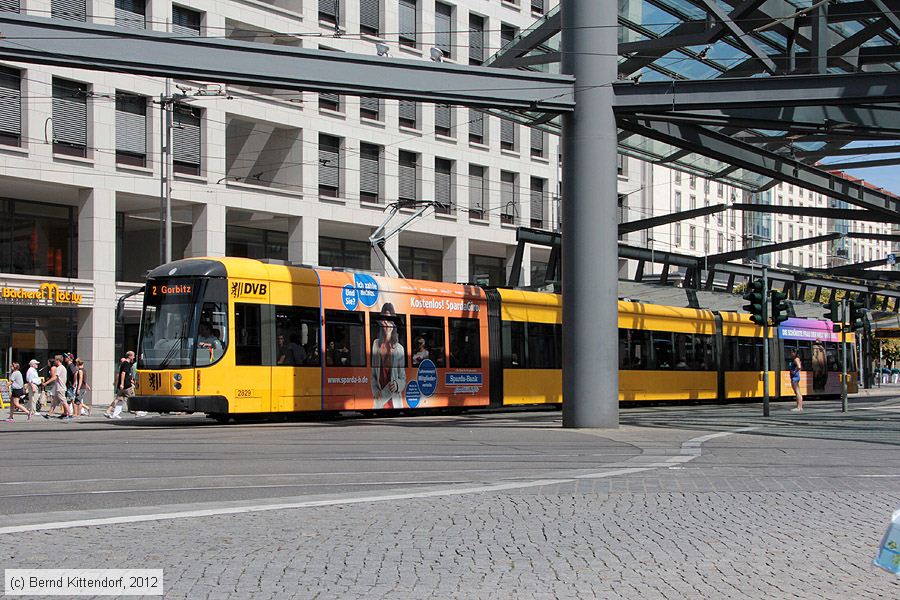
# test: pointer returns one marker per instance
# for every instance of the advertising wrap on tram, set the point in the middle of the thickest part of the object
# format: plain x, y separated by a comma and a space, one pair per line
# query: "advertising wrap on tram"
402, 344
819, 349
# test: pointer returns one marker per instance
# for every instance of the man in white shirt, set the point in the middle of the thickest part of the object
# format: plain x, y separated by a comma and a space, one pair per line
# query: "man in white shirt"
58, 389
33, 384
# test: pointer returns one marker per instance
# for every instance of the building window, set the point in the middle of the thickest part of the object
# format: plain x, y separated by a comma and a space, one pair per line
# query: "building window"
408, 23
10, 107
249, 242
409, 114
443, 25
369, 172
38, 239
692, 237
693, 202
677, 234
347, 254
443, 186
327, 100
620, 163
328, 11
69, 10
508, 33
538, 201
186, 21
477, 193
677, 201
537, 7
329, 166
131, 14
487, 270
720, 240
706, 205
443, 119
538, 146
419, 263
509, 197
69, 117
476, 126
692, 181
408, 176
131, 129
9, 6
476, 39
370, 16
186, 150
706, 241
507, 135
369, 108
720, 190
678, 177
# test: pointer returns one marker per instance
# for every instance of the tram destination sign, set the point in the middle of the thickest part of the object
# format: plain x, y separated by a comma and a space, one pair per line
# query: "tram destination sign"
48, 292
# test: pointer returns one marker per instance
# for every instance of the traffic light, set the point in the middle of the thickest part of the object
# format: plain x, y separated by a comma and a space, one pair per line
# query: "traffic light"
779, 307
756, 296
857, 314
833, 312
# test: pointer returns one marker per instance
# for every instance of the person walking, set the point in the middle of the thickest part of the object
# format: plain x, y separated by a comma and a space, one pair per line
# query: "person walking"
124, 387
796, 367
57, 388
81, 385
71, 369
33, 385
17, 392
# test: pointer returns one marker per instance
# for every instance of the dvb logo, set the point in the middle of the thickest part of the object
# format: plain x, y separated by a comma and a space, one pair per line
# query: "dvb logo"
241, 289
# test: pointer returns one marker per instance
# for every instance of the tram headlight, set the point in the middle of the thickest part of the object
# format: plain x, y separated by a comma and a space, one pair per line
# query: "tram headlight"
177, 376
177, 386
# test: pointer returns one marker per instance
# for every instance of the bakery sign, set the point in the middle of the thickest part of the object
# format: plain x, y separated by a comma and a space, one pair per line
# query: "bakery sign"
48, 292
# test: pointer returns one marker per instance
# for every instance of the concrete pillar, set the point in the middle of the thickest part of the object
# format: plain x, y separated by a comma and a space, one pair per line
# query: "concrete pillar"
97, 262
456, 259
303, 240
208, 234
590, 264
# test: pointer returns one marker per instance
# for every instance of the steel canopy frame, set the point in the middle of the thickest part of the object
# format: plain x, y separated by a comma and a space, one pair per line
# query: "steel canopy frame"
143, 52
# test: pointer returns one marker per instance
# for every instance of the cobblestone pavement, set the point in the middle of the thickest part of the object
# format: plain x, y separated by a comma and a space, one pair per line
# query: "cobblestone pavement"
793, 508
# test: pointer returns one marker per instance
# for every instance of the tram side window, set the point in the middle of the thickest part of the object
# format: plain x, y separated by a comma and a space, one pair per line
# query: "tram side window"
662, 357
685, 359
388, 333
248, 339
833, 356
427, 340
345, 339
513, 336
744, 353
212, 333
296, 336
542, 346
465, 343
705, 352
636, 349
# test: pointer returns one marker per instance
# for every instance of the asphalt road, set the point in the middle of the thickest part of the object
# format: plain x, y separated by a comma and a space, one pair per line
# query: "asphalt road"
96, 463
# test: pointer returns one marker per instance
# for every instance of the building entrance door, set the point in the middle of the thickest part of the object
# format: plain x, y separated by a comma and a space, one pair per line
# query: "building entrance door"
38, 332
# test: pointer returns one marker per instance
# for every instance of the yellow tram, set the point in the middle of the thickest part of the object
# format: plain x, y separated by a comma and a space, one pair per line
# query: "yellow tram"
234, 336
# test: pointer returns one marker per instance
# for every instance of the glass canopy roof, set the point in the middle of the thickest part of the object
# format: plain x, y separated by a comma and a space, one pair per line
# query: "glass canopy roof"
666, 40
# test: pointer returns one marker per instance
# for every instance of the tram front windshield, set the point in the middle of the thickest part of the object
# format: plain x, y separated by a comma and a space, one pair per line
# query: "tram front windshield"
184, 323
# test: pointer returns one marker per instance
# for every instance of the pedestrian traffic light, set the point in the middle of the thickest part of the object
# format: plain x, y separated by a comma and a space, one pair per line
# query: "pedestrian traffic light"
779, 307
857, 314
756, 296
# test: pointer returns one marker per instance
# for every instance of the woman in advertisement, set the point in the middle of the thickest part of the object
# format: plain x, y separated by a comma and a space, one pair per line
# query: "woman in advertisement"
388, 361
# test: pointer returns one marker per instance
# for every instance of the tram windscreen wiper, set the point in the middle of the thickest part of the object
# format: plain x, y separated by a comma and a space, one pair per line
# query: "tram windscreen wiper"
175, 348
